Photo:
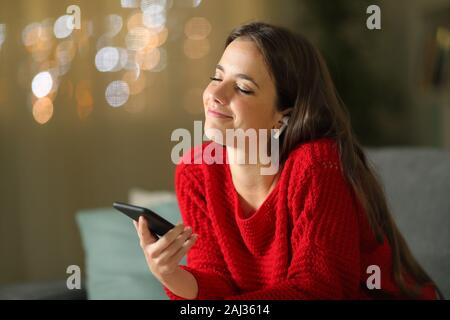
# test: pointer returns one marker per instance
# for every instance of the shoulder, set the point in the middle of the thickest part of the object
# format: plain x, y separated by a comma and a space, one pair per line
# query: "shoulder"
313, 168
197, 159
190, 161
318, 182
312, 155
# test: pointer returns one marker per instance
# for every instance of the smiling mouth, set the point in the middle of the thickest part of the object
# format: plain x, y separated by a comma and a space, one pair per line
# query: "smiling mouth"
216, 114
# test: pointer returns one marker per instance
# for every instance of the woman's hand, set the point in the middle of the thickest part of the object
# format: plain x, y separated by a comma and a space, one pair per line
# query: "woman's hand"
163, 255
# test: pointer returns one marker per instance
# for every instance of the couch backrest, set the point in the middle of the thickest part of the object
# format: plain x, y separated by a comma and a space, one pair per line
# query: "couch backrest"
417, 185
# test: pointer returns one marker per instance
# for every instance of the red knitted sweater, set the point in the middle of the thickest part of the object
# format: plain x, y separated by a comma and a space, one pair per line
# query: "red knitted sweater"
308, 240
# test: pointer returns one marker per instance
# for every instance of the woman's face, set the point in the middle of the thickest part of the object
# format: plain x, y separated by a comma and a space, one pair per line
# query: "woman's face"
242, 90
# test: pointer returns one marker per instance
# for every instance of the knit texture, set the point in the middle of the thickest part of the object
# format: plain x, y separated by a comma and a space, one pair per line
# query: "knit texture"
308, 240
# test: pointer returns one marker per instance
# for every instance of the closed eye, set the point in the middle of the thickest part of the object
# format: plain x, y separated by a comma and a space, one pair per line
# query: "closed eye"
247, 92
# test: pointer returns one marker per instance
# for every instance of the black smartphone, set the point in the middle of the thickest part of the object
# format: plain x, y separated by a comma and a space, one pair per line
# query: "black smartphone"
157, 224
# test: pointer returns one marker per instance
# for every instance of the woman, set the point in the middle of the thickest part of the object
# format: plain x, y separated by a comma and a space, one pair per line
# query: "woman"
318, 228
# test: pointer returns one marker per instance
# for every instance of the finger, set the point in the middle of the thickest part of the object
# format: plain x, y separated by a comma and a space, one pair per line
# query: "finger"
145, 235
136, 226
176, 245
184, 249
165, 241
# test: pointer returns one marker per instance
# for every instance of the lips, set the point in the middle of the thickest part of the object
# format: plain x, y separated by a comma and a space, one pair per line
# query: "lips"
218, 114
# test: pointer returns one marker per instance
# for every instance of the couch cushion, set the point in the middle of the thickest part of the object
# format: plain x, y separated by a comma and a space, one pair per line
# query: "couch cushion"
417, 185
42, 290
115, 264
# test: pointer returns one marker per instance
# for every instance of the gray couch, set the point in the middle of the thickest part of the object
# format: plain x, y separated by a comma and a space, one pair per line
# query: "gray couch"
417, 184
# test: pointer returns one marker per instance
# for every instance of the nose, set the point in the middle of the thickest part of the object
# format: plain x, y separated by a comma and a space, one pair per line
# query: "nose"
218, 94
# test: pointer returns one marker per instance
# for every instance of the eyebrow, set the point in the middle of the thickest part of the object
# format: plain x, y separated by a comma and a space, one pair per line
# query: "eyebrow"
239, 75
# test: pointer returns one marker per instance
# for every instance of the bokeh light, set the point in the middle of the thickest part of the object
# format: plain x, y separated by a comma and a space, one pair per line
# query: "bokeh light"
2, 34
42, 110
107, 59
42, 84
154, 21
84, 99
162, 61
84, 110
31, 33
51, 66
82, 90
197, 28
53, 45
148, 59
137, 38
46, 30
129, 3
117, 93
62, 27
64, 54
41, 50
153, 6
130, 64
153, 40
114, 24
134, 21
162, 36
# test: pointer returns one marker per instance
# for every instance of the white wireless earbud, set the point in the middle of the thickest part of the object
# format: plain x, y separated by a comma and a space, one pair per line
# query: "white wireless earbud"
282, 128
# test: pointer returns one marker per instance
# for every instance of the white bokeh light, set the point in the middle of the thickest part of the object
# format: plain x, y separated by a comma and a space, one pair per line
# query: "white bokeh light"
2, 34
138, 38
42, 84
117, 93
114, 24
129, 3
154, 20
62, 27
153, 6
107, 59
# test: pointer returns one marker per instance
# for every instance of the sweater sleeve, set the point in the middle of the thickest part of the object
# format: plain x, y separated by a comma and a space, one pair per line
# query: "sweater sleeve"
204, 259
324, 239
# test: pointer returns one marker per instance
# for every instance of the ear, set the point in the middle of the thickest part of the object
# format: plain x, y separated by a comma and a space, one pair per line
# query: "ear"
287, 111
284, 113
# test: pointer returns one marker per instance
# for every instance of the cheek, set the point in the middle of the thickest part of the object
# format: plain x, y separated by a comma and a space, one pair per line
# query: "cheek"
254, 114
246, 111
204, 97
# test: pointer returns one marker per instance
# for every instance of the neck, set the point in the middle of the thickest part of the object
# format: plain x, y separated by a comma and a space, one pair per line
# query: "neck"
247, 178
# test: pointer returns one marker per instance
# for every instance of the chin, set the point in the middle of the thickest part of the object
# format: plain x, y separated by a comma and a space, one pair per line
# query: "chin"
214, 133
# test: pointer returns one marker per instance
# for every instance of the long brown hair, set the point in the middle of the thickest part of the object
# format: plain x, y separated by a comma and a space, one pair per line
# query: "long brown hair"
302, 81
